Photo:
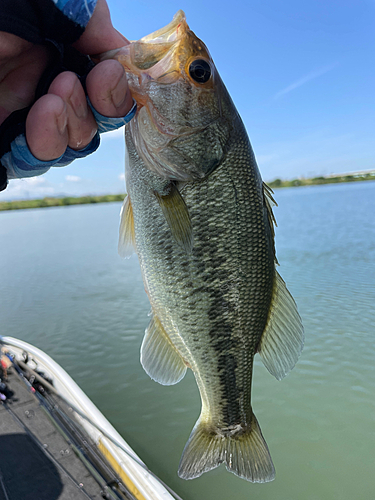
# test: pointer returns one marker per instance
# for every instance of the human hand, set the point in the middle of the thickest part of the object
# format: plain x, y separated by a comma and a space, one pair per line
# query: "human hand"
62, 117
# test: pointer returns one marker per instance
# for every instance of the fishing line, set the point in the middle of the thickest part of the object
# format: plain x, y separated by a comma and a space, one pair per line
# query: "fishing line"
3, 487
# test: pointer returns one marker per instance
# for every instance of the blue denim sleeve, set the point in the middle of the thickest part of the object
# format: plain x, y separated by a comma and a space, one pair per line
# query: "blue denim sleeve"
79, 11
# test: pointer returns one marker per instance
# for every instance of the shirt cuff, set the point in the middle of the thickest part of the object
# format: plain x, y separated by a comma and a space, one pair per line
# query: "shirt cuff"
21, 163
107, 124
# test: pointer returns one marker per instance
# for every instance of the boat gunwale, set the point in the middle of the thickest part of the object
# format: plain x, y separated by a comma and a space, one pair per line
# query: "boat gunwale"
146, 486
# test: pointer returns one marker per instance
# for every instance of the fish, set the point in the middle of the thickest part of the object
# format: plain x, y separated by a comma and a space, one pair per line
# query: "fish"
201, 221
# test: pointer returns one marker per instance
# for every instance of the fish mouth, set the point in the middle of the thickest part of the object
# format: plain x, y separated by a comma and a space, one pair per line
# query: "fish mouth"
163, 56
154, 55
140, 56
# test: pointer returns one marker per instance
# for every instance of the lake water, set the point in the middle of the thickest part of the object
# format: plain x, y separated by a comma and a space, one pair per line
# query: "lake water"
64, 289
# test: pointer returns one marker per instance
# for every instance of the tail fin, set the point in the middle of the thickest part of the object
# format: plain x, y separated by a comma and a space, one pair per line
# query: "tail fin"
245, 453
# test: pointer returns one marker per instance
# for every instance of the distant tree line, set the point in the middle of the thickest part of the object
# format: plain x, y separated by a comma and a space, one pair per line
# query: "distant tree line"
278, 183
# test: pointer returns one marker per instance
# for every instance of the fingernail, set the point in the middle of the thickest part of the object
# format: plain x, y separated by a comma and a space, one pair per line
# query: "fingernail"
78, 103
118, 94
62, 121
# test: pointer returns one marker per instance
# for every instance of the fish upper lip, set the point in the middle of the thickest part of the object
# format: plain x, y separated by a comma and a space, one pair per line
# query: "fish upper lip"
167, 34
160, 49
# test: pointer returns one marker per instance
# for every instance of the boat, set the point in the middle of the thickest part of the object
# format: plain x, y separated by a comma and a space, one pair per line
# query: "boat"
54, 442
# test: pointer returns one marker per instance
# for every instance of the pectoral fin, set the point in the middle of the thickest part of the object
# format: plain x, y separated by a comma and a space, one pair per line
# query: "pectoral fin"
159, 357
282, 340
177, 216
126, 243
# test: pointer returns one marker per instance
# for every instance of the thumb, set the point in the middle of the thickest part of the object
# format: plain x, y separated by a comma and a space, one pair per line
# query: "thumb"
99, 35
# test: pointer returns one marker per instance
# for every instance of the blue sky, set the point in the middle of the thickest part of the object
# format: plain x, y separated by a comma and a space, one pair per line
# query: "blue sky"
301, 74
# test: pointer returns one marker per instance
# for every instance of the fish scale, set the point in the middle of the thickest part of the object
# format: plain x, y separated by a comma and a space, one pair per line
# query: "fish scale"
201, 221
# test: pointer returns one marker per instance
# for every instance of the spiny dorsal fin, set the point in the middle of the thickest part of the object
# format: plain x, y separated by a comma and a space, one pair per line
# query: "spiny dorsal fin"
177, 216
282, 340
126, 243
270, 202
159, 357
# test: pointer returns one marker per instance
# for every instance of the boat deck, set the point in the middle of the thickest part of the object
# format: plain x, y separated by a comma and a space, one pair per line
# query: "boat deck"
36, 462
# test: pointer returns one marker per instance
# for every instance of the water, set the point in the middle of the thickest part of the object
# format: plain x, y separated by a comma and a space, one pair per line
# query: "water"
63, 288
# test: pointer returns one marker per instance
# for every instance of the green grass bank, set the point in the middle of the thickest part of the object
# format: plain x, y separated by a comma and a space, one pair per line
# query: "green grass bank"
59, 202
355, 177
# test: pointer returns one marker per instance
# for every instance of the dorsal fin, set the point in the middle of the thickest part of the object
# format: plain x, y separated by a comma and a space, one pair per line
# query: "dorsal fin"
282, 340
126, 243
270, 202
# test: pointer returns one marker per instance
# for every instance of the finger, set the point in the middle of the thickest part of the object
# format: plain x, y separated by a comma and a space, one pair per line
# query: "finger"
99, 35
12, 46
81, 125
46, 128
108, 90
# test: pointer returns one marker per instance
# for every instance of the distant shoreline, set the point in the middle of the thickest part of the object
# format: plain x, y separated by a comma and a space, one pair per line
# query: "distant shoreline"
332, 179
59, 202
108, 198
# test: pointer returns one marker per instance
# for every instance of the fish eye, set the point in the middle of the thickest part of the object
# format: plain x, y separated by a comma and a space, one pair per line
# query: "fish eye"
200, 71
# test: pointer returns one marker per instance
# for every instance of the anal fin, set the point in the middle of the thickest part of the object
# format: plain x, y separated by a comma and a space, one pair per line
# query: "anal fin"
159, 357
282, 340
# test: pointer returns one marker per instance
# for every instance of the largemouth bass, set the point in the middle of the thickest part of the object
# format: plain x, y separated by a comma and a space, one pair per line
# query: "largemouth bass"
200, 219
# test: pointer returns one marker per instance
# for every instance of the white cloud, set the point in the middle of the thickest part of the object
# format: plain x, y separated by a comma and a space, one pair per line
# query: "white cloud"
305, 79
32, 187
32, 181
121, 177
72, 178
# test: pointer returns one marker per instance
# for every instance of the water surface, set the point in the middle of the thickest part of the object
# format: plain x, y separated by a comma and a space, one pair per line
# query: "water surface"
64, 289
